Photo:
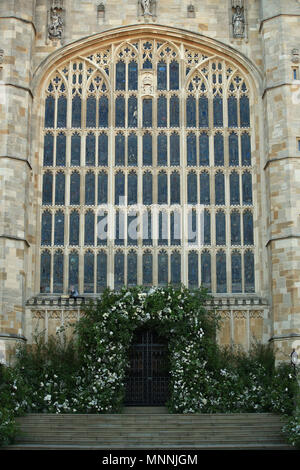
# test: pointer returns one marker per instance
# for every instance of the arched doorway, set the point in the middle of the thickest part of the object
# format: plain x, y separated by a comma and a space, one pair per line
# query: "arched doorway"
147, 380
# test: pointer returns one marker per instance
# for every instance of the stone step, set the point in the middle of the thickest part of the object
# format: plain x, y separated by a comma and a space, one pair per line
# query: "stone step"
198, 446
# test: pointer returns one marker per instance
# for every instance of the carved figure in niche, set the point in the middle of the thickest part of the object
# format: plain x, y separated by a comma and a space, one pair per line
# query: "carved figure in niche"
146, 4
56, 26
147, 85
238, 22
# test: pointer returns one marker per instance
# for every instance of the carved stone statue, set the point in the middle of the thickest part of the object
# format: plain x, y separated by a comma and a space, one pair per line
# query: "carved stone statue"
146, 4
1, 56
238, 22
55, 28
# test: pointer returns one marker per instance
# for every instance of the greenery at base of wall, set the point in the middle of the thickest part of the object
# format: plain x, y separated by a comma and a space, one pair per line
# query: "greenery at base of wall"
87, 374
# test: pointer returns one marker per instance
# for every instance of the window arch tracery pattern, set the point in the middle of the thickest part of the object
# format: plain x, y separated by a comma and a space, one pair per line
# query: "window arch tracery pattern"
134, 134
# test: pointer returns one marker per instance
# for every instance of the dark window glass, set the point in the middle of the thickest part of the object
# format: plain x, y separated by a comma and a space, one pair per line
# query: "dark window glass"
132, 188
192, 227
119, 187
89, 262
192, 188
248, 228
206, 270
233, 150
163, 234
234, 189
246, 150
74, 228
102, 188
220, 228
249, 272
102, 226
219, 189
193, 270
175, 188
175, 227
147, 64
245, 111
207, 230
162, 114
120, 111
132, 269
119, 270
90, 112
204, 188
219, 149
102, 150
147, 228
61, 150
49, 112
132, 76
235, 222
132, 149
147, 269
218, 111
132, 229
162, 76
76, 111
236, 272
48, 149
90, 156
203, 111
147, 149
101, 271
120, 76
191, 111
232, 112
162, 188
191, 149
47, 188
90, 189
73, 269
132, 111
60, 189
247, 188
174, 111
75, 189
174, 75
59, 228
103, 112
221, 272
176, 268
58, 272
162, 150
147, 188
120, 228
147, 113
174, 149
89, 228
62, 112
163, 268
75, 149
204, 149
46, 228
120, 150
45, 272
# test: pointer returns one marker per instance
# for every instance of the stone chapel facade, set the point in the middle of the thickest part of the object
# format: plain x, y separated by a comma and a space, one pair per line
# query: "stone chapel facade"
146, 142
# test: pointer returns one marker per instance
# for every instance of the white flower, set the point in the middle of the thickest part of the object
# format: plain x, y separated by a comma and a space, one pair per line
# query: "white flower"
47, 398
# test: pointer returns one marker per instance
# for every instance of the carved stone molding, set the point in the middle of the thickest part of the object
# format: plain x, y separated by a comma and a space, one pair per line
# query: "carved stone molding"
295, 53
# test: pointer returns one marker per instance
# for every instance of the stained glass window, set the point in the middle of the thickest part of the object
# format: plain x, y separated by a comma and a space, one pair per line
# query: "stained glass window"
174, 75
218, 111
175, 188
163, 232
74, 228
244, 111
132, 111
219, 149
46, 228
103, 112
62, 112
233, 149
75, 149
192, 188
90, 156
147, 112
219, 189
89, 228
59, 228
234, 189
235, 222
60, 189
73, 269
147, 188
191, 111
204, 188
236, 271
162, 149
162, 193
101, 271
119, 188
248, 228
61, 150
162, 113
193, 270
161, 76
132, 268
132, 75
120, 111
49, 112
163, 270
221, 272
47, 188
76, 111
206, 270
120, 76
174, 149
132, 188
119, 270
147, 268
147, 149
102, 188
220, 228
246, 150
102, 149
90, 112
89, 263
45, 272
249, 271
204, 149
203, 111
232, 112
48, 149
247, 188
174, 111
75, 189
58, 272
120, 149
191, 149
176, 267
207, 228
90, 189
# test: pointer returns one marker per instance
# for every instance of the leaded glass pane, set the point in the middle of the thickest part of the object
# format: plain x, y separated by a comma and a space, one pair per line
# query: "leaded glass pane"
233, 150
147, 188
234, 189
192, 227
218, 111
221, 272
204, 188
147, 149
120, 76
249, 272
207, 229
191, 149
203, 111
120, 111
119, 188
47, 188
163, 268
235, 222
90, 112
175, 228
101, 271
219, 149
49, 112
60, 189
45, 272
193, 270
90, 189
247, 188
174, 149
204, 149
219, 189
232, 112
174, 111
147, 112
132, 188
162, 194
46, 228
62, 112
90, 156
162, 113
176, 268
75, 189
120, 149
120, 228
206, 270
163, 233
89, 228
132, 149
119, 270
103, 112
147, 229
132, 75
61, 150
162, 150
236, 272
48, 149
174, 75
102, 188
220, 228
73, 270
132, 111
89, 262
175, 188
248, 228
58, 272
102, 226
102, 150
161, 76
76, 111
74, 228
147, 269
191, 111
75, 149
245, 111
132, 269
246, 150
192, 188
59, 228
